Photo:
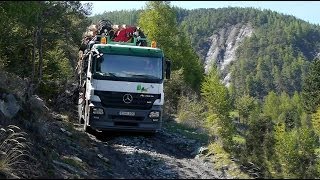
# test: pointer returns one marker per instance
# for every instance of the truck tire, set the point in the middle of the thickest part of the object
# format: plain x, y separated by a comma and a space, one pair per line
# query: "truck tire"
86, 128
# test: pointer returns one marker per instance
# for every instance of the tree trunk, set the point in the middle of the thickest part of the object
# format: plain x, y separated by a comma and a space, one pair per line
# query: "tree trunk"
31, 83
40, 55
34, 56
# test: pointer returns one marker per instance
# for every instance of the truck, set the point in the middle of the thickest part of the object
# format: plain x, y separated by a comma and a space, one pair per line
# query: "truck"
123, 86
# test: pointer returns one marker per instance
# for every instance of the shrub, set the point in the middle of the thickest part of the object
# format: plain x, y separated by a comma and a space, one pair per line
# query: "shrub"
191, 111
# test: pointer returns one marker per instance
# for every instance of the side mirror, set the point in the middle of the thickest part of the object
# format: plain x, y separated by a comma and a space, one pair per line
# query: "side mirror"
168, 69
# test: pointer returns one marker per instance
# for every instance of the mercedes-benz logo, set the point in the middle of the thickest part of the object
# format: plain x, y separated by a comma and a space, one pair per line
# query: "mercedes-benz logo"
127, 98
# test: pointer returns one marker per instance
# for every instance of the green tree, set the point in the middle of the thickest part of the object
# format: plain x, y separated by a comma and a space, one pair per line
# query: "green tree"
271, 106
216, 94
159, 23
217, 99
316, 122
244, 105
39, 32
311, 87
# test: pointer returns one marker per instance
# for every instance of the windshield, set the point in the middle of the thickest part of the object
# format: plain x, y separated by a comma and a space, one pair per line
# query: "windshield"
136, 68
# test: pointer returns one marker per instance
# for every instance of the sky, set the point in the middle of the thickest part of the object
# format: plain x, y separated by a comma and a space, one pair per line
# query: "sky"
305, 10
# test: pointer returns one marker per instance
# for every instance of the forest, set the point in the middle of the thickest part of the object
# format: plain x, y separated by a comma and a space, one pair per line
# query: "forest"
269, 116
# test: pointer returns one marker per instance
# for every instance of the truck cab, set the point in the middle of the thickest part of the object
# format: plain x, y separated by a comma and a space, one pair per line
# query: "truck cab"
123, 87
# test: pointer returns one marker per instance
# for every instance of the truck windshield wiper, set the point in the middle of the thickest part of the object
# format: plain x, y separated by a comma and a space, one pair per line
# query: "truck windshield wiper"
144, 76
106, 74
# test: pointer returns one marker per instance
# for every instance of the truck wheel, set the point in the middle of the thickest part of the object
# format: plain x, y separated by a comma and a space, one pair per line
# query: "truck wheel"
87, 128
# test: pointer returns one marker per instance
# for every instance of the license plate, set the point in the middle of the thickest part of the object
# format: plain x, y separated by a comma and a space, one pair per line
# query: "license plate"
126, 113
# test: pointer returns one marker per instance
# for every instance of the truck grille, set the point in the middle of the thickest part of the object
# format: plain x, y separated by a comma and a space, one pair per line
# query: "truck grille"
115, 99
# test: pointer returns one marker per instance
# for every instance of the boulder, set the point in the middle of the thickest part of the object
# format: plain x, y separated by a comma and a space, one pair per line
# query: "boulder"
38, 108
9, 106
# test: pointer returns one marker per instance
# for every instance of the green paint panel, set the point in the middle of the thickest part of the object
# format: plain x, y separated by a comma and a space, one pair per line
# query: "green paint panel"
129, 50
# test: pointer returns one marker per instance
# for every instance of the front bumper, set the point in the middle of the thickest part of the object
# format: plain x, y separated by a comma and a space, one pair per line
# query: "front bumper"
112, 120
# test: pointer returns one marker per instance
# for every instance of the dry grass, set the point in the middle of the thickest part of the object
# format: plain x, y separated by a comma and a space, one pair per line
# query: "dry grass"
14, 152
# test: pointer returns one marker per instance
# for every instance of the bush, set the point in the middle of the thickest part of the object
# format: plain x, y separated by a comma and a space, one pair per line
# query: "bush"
223, 162
191, 111
176, 89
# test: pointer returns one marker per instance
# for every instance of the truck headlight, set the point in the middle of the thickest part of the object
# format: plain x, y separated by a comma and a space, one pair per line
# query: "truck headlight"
154, 114
97, 111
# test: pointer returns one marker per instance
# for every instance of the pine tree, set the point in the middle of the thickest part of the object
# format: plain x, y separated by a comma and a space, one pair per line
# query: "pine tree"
311, 87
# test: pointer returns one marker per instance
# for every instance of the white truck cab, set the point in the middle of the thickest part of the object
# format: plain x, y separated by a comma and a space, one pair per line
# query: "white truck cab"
123, 88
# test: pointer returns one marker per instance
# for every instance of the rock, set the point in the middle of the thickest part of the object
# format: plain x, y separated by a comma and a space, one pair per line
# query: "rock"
38, 108
234, 159
65, 166
200, 151
58, 117
69, 133
36, 103
9, 106
224, 168
70, 168
65, 131
203, 150
103, 158
75, 158
197, 156
210, 154
13, 84
223, 47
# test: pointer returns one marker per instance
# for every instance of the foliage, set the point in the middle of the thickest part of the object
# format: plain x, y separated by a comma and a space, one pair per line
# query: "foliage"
275, 58
218, 102
159, 23
222, 159
272, 87
271, 70
15, 151
191, 110
174, 89
316, 121
215, 94
42, 40
244, 105
271, 106
187, 131
311, 87
295, 151
119, 17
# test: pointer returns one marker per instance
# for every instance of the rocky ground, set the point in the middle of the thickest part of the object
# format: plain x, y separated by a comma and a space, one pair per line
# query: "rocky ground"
166, 155
60, 149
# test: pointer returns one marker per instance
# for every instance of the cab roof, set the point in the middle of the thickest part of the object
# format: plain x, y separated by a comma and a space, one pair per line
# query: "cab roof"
128, 50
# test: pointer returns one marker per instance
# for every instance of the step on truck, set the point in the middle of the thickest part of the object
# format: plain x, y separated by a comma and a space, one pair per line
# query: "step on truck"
122, 85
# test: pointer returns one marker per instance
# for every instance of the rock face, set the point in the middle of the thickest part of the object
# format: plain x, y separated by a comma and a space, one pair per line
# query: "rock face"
9, 106
223, 46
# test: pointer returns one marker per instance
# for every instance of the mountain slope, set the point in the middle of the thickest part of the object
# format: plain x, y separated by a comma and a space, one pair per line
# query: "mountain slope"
256, 51
275, 56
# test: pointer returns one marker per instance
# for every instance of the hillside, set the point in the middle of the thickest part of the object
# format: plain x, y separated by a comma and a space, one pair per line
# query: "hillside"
243, 99
247, 44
